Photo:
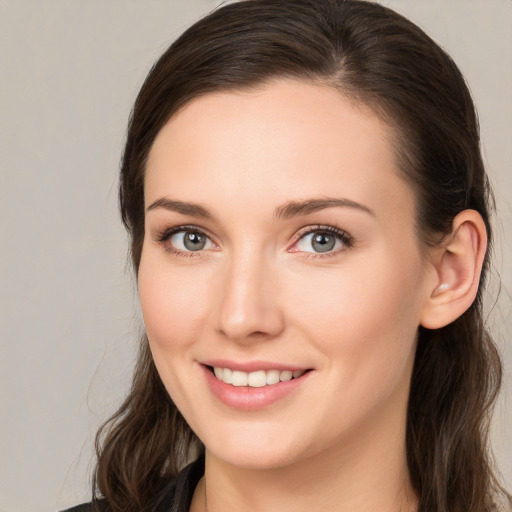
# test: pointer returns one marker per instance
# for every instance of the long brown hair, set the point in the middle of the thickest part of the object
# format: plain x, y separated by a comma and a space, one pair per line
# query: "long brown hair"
376, 57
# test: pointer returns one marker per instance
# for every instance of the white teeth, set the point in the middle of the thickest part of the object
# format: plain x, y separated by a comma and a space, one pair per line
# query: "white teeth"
239, 378
256, 379
272, 377
227, 376
285, 375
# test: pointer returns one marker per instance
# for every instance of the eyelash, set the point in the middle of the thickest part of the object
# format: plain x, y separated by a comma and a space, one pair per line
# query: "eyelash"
341, 235
165, 235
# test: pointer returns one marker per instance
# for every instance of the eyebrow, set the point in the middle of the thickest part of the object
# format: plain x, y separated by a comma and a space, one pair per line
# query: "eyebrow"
286, 211
186, 208
296, 208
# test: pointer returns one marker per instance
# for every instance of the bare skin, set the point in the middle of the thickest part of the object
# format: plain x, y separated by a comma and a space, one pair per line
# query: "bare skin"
345, 306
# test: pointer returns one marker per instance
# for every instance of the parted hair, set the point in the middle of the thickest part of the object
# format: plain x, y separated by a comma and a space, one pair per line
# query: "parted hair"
379, 59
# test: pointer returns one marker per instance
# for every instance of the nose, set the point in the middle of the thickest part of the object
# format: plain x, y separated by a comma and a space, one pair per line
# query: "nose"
248, 301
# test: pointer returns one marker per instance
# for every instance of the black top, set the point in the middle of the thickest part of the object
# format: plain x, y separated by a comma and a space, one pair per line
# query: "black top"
176, 497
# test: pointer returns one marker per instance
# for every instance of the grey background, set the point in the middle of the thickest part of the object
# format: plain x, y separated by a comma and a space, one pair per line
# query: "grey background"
69, 317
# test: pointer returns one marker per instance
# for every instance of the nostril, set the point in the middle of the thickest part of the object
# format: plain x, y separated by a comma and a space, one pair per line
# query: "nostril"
257, 334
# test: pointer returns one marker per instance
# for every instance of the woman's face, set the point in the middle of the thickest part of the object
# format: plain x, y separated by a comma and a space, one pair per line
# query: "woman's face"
280, 242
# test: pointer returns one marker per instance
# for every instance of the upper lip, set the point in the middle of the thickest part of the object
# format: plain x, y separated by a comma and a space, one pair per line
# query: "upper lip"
252, 366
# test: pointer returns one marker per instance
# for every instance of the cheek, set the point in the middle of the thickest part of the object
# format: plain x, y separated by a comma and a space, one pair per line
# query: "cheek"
364, 319
173, 304
173, 307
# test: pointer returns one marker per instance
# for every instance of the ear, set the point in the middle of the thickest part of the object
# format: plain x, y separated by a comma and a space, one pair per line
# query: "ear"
457, 264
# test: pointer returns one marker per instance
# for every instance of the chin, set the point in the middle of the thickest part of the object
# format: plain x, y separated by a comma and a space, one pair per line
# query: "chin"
256, 459
254, 449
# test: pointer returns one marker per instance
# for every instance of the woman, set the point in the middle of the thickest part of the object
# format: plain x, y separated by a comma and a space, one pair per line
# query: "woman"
309, 219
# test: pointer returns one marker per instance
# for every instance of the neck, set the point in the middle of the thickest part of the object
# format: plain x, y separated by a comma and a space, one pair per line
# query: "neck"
362, 475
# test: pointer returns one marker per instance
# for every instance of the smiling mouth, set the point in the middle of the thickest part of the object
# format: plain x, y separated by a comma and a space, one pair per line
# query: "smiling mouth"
257, 379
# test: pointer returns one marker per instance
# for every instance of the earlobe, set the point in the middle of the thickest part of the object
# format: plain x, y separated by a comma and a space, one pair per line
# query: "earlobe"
458, 265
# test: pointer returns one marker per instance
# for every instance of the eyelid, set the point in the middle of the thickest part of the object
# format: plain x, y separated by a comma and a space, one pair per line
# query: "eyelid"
346, 239
162, 237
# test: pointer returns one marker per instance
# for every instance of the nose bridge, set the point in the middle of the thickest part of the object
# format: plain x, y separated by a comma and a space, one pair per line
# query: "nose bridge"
248, 305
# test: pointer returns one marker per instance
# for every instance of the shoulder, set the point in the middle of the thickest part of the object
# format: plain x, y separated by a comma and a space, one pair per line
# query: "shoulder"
176, 496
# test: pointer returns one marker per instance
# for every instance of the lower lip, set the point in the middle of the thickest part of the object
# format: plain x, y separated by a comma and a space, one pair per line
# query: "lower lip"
247, 398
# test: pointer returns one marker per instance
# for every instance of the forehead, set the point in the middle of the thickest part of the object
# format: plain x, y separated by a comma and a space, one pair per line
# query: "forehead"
283, 141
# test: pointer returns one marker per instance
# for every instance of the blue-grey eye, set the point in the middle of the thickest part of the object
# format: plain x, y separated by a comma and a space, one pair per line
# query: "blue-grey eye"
319, 242
190, 241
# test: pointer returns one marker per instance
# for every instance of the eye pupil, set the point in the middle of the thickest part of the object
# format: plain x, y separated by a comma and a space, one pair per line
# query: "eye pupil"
194, 241
323, 242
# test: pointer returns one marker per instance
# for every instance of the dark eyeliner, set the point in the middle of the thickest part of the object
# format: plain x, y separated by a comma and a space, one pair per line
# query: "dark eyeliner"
346, 239
339, 233
163, 236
